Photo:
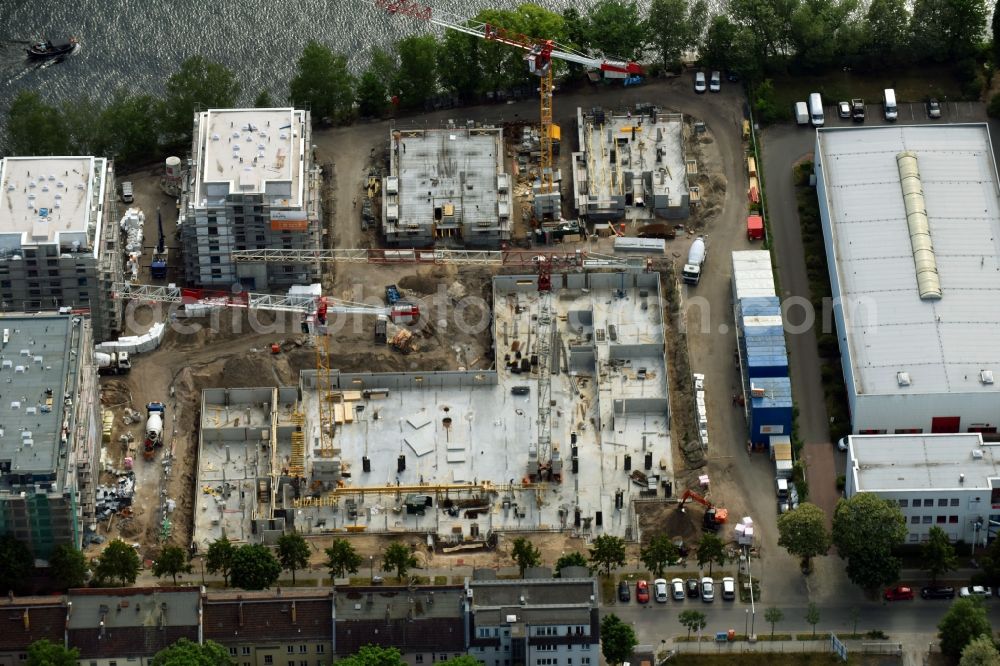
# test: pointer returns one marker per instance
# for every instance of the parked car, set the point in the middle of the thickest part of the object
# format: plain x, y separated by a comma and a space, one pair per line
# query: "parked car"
899, 593
842, 444
642, 592
933, 108
938, 592
660, 590
707, 589
677, 589
624, 592
844, 110
728, 588
692, 586
975, 591
699, 82
715, 82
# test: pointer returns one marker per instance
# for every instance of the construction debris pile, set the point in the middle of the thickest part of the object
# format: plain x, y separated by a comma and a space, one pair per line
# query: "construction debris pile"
112, 499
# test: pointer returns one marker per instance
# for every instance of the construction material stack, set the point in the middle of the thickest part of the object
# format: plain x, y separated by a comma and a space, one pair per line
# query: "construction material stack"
762, 354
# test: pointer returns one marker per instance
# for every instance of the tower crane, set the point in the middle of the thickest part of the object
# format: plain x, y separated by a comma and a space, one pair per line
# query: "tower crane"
539, 55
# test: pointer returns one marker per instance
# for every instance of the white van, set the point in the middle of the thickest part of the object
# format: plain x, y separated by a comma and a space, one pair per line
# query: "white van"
889, 102
816, 110
801, 113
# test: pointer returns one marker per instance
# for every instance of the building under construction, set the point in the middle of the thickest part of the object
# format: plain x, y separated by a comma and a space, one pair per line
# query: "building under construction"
630, 165
569, 427
446, 186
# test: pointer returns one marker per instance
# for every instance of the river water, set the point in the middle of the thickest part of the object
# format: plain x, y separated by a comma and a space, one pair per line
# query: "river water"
137, 44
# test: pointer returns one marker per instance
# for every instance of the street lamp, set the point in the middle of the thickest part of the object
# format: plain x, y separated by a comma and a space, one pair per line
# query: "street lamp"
371, 568
746, 624
753, 607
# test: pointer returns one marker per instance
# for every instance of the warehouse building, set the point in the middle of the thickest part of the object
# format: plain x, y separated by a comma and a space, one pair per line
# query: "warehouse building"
630, 166
950, 481
59, 238
911, 222
446, 186
49, 437
251, 185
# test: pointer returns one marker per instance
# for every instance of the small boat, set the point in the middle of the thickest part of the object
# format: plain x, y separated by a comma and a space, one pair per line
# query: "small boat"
50, 49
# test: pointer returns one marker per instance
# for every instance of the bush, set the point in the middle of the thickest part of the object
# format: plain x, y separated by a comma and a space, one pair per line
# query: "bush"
993, 110
841, 483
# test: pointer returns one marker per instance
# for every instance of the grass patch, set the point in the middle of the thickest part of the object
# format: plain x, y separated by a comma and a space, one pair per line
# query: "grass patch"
776, 637
831, 372
745, 592
810, 637
608, 589
912, 85
440, 580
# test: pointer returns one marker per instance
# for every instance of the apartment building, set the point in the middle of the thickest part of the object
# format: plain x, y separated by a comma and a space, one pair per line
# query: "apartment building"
59, 239
250, 185
49, 430
26, 620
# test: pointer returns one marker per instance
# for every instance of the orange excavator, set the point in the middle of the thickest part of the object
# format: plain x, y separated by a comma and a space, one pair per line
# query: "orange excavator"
715, 517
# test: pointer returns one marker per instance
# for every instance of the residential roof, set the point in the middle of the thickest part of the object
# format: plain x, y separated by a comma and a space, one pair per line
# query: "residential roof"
381, 603
269, 615
136, 621
943, 344
24, 620
40, 361
49, 200
250, 151
534, 592
923, 462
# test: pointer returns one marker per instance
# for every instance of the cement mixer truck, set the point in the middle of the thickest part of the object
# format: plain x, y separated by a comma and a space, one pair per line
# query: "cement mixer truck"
113, 363
154, 429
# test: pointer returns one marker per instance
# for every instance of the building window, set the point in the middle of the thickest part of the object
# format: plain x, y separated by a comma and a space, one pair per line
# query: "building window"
914, 538
940, 520
443, 657
420, 658
320, 649
303, 648
232, 652
291, 662
23, 656
943, 501
585, 660
927, 520
112, 663
903, 503
954, 501
303, 662
291, 650
213, 231
952, 519
245, 650
268, 659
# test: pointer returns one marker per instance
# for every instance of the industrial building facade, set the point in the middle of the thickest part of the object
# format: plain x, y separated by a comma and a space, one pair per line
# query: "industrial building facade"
59, 240
947, 481
911, 222
446, 186
251, 185
630, 166
49, 438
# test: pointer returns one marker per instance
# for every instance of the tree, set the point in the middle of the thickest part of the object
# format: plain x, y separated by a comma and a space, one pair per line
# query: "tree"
768, 27
398, 557
616, 28
373, 655
812, 616
674, 27
937, 554
198, 84
773, 616
964, 621
68, 567
948, 30
172, 561
416, 80
118, 562
802, 532
886, 28
461, 660
16, 563
711, 551
263, 100
728, 46
323, 83
373, 96
127, 128
458, 64
188, 653
819, 29
219, 558
46, 653
254, 567
293, 552
989, 561
981, 651
658, 553
525, 554
866, 528
995, 25
83, 134
34, 127
608, 552
692, 620
617, 639
574, 559
342, 559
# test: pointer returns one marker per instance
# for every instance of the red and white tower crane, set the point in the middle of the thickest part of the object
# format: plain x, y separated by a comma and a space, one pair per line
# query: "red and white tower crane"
539, 55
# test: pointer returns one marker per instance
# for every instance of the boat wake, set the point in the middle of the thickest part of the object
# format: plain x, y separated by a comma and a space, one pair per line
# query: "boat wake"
15, 64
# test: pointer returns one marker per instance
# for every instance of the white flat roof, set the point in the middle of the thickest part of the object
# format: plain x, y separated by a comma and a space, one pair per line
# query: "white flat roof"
49, 199
250, 151
942, 345
923, 462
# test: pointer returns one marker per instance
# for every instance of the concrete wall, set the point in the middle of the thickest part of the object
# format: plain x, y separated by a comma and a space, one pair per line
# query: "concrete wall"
890, 413
360, 381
